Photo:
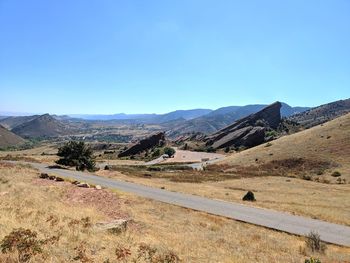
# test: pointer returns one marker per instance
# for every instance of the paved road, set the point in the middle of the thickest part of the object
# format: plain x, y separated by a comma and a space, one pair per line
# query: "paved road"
331, 233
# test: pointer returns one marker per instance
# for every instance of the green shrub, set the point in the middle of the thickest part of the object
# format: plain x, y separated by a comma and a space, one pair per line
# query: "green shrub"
154, 168
312, 260
76, 154
271, 134
307, 177
169, 151
336, 174
210, 149
156, 153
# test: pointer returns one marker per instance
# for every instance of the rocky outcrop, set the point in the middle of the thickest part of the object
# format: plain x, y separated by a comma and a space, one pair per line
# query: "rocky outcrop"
145, 144
194, 136
248, 131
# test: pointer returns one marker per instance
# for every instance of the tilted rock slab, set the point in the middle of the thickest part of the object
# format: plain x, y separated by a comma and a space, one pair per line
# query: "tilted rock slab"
248, 131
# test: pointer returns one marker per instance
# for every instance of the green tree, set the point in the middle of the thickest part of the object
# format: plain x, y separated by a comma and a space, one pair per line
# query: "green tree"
76, 154
169, 151
156, 153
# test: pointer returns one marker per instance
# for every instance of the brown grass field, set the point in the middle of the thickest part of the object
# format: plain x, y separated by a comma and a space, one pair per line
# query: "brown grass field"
63, 216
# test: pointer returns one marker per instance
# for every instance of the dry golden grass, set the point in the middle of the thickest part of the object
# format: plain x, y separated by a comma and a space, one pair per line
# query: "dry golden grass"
43, 206
327, 202
45, 154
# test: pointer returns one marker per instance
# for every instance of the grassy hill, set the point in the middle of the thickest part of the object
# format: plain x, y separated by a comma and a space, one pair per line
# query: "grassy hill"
8, 139
316, 153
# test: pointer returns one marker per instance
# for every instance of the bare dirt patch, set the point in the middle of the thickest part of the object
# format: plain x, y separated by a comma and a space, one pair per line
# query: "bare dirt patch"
104, 201
182, 156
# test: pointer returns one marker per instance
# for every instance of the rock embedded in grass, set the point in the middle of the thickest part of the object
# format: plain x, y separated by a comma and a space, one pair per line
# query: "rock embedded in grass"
83, 185
115, 227
59, 179
43, 176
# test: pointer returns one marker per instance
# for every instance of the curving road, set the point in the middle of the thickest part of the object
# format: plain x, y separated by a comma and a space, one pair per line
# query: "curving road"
329, 232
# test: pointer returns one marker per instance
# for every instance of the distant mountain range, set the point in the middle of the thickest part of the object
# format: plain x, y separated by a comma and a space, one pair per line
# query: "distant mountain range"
175, 123
224, 115
149, 118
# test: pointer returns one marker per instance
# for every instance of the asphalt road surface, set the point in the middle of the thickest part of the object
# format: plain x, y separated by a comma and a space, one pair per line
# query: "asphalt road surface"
329, 232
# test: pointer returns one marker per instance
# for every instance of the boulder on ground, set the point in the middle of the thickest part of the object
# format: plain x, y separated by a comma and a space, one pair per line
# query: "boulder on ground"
83, 185
98, 187
115, 227
76, 182
52, 177
59, 179
43, 176
249, 196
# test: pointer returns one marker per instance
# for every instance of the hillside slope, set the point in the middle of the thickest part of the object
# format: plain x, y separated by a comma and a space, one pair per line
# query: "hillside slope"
322, 113
12, 122
325, 143
8, 138
42, 126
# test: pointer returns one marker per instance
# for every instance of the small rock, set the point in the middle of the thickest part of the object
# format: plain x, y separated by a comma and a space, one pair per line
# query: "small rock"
115, 227
162, 187
76, 182
249, 196
43, 176
83, 185
98, 187
59, 179
147, 175
52, 177
107, 167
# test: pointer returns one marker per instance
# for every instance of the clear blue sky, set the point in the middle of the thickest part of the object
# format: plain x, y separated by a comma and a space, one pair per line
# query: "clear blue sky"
110, 56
